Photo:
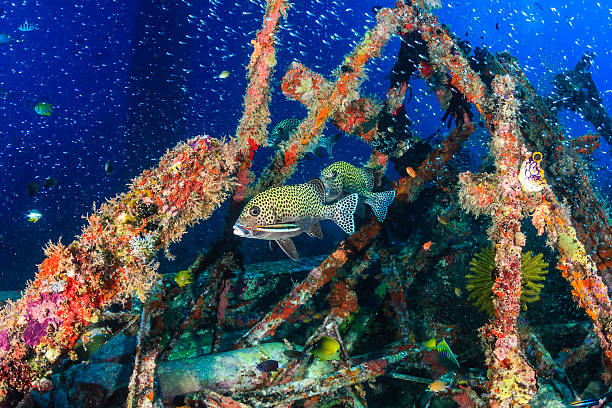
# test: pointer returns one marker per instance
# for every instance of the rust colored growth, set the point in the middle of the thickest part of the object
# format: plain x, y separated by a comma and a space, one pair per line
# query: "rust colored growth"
109, 262
408, 187
605, 255
443, 49
303, 85
256, 115
317, 277
343, 300
309, 88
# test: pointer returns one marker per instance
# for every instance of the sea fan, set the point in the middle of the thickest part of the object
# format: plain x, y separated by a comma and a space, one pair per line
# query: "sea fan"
480, 282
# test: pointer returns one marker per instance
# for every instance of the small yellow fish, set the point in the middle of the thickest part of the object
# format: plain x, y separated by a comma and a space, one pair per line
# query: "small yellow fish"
437, 386
327, 349
224, 74
175, 167
430, 344
43, 108
183, 278
458, 292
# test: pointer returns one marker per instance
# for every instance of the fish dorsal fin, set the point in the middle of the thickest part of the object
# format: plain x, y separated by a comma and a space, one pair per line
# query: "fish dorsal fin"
380, 202
369, 177
315, 231
343, 213
319, 188
288, 247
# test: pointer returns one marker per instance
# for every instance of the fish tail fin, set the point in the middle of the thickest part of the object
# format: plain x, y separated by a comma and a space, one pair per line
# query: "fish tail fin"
446, 356
380, 202
331, 143
343, 213
328, 143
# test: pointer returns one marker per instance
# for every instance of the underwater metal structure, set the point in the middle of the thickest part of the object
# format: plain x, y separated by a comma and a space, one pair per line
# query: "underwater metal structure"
107, 277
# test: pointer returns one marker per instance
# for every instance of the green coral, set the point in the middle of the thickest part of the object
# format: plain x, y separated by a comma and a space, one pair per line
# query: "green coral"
572, 248
480, 282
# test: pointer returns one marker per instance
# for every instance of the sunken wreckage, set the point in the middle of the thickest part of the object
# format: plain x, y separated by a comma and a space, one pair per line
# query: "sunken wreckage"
86, 332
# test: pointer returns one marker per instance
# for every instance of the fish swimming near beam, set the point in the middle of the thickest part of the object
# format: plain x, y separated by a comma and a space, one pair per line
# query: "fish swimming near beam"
280, 213
342, 178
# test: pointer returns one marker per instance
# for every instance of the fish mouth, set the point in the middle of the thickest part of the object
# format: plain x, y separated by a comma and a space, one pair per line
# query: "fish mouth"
259, 231
241, 231
330, 193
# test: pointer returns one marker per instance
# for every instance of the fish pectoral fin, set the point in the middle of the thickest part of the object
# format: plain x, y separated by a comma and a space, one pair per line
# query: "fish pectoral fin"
315, 231
361, 210
288, 248
319, 151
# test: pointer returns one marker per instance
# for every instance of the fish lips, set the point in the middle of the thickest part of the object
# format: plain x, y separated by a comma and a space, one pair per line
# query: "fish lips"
242, 231
330, 193
247, 232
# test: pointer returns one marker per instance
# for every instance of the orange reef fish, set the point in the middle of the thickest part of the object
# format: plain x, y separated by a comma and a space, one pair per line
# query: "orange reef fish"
411, 172
427, 246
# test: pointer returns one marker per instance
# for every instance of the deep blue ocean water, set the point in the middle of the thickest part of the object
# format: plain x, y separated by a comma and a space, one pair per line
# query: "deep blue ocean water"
129, 79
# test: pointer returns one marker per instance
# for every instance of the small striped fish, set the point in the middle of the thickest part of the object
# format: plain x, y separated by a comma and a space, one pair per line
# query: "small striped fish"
28, 27
446, 356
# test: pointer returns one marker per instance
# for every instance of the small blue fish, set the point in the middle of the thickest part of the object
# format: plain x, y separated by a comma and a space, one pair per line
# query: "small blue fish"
267, 366
25, 27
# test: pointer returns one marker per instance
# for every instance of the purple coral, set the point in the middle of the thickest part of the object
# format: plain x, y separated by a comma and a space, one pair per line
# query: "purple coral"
40, 314
35, 331
4, 341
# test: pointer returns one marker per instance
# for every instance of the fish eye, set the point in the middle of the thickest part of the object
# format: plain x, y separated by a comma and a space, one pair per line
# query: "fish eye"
333, 174
255, 211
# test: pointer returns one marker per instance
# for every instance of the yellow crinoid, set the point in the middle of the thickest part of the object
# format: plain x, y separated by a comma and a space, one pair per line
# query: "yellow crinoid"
480, 281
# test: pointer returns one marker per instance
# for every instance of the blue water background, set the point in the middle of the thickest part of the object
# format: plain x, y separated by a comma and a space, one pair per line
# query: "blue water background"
128, 80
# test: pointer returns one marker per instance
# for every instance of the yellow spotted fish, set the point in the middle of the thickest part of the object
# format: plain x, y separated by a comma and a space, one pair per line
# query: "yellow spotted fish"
343, 178
280, 213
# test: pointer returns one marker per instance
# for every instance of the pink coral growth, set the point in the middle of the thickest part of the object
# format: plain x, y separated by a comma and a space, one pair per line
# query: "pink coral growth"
4, 341
40, 314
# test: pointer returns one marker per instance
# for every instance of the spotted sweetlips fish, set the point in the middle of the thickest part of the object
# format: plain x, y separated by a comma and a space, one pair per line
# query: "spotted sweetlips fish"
280, 213
341, 178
